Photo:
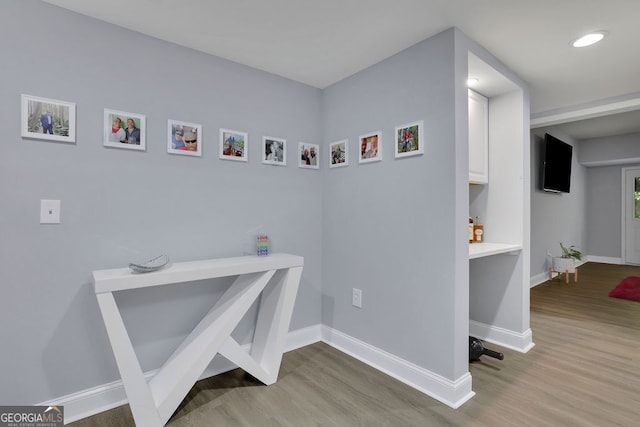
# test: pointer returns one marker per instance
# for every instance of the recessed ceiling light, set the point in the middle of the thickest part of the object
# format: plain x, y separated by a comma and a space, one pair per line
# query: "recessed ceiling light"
472, 81
589, 39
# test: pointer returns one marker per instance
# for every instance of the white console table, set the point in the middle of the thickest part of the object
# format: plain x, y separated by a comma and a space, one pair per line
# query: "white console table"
276, 277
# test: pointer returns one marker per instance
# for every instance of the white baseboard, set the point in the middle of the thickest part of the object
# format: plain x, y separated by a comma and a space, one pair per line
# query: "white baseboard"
538, 279
303, 337
452, 393
449, 392
98, 399
604, 259
544, 276
522, 342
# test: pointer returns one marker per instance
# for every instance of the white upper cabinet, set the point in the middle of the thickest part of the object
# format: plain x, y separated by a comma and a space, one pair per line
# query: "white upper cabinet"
478, 138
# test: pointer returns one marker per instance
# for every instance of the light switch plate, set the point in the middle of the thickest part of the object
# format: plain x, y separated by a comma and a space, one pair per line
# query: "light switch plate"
49, 211
356, 298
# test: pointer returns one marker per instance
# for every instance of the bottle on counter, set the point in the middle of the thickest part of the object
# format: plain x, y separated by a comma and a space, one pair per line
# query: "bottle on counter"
478, 231
471, 235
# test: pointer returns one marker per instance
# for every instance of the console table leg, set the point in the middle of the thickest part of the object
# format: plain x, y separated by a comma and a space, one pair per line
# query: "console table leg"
276, 308
140, 399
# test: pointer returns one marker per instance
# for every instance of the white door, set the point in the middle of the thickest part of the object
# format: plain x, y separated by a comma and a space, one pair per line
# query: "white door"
631, 206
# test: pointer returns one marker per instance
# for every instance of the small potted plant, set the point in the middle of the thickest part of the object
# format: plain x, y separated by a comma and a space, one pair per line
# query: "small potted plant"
566, 262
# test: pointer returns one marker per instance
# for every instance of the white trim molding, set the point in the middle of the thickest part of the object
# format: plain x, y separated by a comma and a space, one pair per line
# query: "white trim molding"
542, 277
605, 259
452, 393
98, 399
538, 279
522, 342
606, 108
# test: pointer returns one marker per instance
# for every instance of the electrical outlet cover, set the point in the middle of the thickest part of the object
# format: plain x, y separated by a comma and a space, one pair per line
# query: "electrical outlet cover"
49, 211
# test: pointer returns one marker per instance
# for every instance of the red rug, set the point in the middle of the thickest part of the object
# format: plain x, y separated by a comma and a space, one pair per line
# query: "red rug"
629, 289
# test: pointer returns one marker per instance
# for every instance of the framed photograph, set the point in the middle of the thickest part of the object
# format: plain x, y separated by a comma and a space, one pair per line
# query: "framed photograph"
124, 130
234, 145
48, 119
308, 155
184, 138
370, 147
274, 151
339, 153
409, 140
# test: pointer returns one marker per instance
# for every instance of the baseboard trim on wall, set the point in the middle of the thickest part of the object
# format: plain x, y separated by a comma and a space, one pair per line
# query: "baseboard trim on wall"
604, 259
544, 276
538, 279
452, 393
98, 399
522, 342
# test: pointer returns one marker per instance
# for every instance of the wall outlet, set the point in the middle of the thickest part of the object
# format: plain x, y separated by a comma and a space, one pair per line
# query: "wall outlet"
49, 211
356, 298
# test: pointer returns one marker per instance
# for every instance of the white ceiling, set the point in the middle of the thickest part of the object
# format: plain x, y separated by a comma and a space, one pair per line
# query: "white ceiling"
319, 42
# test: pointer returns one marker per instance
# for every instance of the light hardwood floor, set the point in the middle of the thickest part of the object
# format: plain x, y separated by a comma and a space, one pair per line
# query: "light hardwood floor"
583, 371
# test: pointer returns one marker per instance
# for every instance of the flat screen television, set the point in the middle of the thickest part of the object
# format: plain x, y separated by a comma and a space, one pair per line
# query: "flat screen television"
556, 167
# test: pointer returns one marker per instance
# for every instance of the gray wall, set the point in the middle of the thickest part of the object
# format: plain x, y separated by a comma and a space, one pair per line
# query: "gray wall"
397, 229
608, 155
604, 211
556, 217
388, 226
121, 205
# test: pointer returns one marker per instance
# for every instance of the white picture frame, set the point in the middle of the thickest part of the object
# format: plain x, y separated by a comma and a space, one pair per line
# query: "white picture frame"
408, 139
234, 145
338, 154
370, 147
274, 151
137, 135
180, 137
308, 155
48, 119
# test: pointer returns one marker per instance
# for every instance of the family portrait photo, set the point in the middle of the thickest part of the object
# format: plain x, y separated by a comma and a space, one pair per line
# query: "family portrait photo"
274, 151
124, 130
409, 140
339, 153
370, 147
184, 138
48, 119
308, 155
233, 145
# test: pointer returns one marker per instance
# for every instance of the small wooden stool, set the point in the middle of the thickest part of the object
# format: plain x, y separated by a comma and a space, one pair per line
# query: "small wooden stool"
566, 273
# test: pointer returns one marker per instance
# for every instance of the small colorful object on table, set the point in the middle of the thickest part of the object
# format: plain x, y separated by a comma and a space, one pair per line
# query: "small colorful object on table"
263, 245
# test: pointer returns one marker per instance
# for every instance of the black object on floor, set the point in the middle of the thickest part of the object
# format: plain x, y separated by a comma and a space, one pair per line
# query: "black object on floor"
477, 349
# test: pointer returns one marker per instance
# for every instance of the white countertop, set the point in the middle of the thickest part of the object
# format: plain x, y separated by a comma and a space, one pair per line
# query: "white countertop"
479, 250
